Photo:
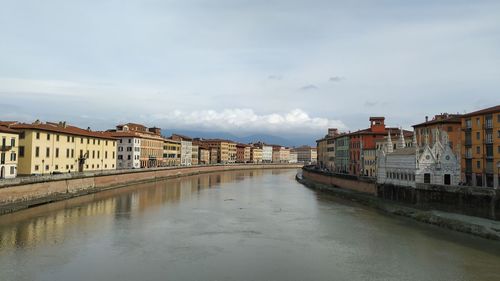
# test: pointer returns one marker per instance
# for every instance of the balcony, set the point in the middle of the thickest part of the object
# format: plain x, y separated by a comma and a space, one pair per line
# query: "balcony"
5, 147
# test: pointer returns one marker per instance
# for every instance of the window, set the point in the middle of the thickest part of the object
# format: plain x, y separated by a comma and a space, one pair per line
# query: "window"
478, 122
68, 138
72, 139
12, 156
67, 152
37, 167
98, 155
478, 135
120, 157
48, 136
21, 151
113, 155
12, 170
46, 167
447, 179
13, 142
81, 140
99, 142
450, 129
105, 155
478, 164
57, 137
128, 157
37, 151
129, 140
88, 141
56, 167
57, 152
93, 154
47, 152
72, 153
478, 150
22, 135
93, 142
427, 178
37, 135
71, 167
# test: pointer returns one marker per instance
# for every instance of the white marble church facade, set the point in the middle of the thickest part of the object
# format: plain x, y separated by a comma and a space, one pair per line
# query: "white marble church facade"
408, 166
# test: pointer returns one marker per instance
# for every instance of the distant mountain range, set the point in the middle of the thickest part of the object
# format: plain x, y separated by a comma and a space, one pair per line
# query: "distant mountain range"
296, 141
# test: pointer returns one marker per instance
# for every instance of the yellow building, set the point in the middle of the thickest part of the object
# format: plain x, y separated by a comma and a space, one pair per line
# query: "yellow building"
221, 148
481, 147
171, 152
8, 152
256, 154
195, 155
46, 148
232, 152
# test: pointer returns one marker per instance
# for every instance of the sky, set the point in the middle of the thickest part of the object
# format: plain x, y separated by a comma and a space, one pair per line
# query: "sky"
282, 67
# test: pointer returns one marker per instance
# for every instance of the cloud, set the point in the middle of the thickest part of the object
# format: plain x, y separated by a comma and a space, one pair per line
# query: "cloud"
335, 79
309, 87
246, 120
275, 77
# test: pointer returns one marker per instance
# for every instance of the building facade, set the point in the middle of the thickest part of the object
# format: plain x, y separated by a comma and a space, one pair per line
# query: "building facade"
342, 155
150, 139
186, 149
9, 152
450, 123
47, 148
306, 154
195, 155
434, 164
256, 155
171, 152
243, 152
281, 154
481, 147
129, 151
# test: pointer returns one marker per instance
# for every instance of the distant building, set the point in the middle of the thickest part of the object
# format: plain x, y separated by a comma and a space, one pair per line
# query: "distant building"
204, 155
221, 148
8, 152
195, 155
306, 154
450, 123
342, 155
231, 152
480, 157
267, 151
281, 154
186, 149
256, 154
408, 166
149, 141
171, 152
47, 148
243, 152
293, 157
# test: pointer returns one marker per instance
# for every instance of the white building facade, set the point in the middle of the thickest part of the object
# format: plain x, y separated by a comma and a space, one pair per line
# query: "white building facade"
267, 154
129, 153
434, 164
186, 152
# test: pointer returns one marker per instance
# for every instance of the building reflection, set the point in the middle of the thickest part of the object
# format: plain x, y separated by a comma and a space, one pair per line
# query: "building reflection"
51, 223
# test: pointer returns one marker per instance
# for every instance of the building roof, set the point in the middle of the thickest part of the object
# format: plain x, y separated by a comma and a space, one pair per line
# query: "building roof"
62, 128
404, 151
7, 130
183, 137
441, 119
393, 130
494, 109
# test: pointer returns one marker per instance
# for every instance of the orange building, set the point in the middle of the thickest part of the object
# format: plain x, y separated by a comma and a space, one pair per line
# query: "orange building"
449, 123
243, 153
481, 147
365, 141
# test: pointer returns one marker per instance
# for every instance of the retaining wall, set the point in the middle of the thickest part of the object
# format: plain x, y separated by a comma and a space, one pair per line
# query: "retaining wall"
342, 181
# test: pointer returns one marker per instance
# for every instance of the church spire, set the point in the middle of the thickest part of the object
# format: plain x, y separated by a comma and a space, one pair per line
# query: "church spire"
401, 141
390, 148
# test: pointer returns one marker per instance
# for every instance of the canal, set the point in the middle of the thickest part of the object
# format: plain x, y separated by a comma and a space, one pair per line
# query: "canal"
242, 225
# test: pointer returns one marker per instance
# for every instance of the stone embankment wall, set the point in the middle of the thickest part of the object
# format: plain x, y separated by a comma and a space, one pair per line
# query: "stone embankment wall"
466, 200
27, 192
342, 181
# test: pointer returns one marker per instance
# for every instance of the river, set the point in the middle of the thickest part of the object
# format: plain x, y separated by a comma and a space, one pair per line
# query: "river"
242, 225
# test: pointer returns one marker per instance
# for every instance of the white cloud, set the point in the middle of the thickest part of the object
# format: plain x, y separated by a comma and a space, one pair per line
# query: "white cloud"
246, 120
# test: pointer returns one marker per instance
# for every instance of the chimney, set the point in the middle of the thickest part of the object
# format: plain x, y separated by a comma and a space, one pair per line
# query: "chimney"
426, 118
88, 129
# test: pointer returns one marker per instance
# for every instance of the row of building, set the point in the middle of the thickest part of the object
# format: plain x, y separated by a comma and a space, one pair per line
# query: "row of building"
50, 148
449, 149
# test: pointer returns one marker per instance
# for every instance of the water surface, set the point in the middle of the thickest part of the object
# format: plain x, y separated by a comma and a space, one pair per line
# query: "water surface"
242, 225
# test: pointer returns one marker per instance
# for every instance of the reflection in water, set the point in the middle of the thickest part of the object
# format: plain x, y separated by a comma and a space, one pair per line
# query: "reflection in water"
30, 227
241, 225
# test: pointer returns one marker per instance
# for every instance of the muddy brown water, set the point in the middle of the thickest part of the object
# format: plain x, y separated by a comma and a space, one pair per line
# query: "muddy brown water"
241, 225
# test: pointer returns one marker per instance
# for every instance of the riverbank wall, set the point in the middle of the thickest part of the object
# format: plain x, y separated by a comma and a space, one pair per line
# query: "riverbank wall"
462, 209
22, 193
